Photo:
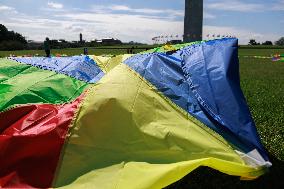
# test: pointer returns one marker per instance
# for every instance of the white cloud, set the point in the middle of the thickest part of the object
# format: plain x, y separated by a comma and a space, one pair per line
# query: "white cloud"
120, 7
244, 35
74, 28
127, 9
38, 28
55, 5
241, 6
207, 15
236, 5
6, 8
127, 27
169, 13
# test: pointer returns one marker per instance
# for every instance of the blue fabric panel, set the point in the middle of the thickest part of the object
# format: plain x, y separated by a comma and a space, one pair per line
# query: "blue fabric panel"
165, 73
79, 67
203, 79
213, 69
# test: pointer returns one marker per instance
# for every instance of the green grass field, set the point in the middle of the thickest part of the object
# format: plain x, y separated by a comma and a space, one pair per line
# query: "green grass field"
77, 51
262, 82
69, 52
244, 51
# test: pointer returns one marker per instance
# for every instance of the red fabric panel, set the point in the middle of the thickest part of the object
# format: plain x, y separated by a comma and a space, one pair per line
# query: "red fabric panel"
31, 139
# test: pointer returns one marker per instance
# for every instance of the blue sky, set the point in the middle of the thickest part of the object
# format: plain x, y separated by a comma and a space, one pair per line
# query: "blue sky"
133, 20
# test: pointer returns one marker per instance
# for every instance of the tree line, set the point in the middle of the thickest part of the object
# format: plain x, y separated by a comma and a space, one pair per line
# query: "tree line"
10, 40
279, 42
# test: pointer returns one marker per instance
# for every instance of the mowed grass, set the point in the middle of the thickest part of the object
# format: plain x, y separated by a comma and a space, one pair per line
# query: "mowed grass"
115, 50
262, 82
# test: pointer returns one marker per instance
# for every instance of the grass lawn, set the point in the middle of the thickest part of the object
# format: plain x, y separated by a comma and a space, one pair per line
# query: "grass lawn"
77, 51
69, 52
262, 82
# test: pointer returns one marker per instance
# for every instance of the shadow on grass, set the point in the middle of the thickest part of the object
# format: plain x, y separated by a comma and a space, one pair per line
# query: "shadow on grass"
205, 177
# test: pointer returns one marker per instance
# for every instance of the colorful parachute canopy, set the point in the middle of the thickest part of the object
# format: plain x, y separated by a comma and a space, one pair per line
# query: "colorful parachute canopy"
278, 57
141, 121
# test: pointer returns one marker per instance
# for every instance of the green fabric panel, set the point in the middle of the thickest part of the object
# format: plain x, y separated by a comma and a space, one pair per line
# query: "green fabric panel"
167, 48
24, 84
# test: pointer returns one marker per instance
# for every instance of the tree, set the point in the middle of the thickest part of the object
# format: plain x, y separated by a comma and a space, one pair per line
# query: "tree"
10, 40
267, 43
280, 42
11, 46
252, 42
3, 32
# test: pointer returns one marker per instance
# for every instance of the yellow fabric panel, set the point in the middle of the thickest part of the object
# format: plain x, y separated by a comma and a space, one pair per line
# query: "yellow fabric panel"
141, 175
169, 48
127, 135
108, 63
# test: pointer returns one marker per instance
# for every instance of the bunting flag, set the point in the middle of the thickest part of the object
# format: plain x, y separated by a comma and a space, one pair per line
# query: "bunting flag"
129, 121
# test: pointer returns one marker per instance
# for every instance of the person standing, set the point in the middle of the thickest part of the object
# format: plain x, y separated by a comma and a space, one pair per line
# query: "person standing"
47, 47
85, 51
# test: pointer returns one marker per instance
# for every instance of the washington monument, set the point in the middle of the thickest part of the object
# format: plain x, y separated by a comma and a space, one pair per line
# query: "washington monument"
193, 20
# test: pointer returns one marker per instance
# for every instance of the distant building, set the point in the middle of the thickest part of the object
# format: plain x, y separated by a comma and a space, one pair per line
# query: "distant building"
109, 41
173, 42
63, 41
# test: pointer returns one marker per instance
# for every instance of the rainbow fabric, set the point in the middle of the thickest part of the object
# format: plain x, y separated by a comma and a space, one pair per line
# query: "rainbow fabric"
278, 57
129, 121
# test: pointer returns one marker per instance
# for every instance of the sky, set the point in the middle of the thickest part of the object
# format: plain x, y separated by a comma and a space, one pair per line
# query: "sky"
140, 20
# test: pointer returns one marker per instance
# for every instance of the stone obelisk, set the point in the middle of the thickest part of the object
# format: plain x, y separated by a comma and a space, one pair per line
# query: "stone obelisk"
193, 20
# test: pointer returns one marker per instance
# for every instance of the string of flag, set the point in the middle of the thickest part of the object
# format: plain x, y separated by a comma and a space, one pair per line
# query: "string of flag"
166, 38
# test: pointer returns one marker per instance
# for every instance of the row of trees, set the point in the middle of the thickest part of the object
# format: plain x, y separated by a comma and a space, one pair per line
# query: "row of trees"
55, 44
63, 44
10, 40
279, 42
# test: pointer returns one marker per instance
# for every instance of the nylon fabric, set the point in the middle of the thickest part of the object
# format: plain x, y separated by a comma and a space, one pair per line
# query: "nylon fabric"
31, 139
169, 47
146, 120
24, 84
199, 78
141, 175
125, 129
108, 63
80, 67
212, 70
